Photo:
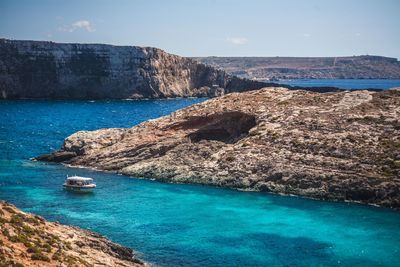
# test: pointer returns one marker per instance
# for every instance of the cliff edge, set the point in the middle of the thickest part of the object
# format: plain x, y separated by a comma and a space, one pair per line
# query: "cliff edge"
48, 70
334, 146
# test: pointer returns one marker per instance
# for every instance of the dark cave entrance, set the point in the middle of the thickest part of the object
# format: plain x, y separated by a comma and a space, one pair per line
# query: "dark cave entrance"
227, 127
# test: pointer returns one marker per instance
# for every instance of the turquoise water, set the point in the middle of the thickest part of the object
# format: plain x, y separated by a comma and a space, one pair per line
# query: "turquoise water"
180, 225
344, 83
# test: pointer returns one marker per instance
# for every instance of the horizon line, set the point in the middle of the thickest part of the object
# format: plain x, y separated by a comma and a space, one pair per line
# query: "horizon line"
210, 56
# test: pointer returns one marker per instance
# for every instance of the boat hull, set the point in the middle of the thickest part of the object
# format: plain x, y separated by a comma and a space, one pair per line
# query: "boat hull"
79, 189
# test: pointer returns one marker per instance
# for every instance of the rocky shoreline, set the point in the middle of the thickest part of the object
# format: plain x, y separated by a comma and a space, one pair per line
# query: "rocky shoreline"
30, 240
334, 146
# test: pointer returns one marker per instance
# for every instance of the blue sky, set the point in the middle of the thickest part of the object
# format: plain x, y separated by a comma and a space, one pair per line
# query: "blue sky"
214, 27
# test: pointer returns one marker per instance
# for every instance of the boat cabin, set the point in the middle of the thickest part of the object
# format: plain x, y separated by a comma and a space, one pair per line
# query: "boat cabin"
78, 182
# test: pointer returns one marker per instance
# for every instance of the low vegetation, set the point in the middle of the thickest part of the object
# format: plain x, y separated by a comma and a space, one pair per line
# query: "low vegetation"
28, 240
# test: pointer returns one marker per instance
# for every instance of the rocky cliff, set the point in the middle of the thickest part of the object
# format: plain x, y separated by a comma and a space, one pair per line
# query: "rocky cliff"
29, 240
266, 68
32, 69
336, 145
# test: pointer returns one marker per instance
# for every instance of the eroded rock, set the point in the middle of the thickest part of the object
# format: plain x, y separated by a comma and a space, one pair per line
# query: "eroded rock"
59, 156
29, 240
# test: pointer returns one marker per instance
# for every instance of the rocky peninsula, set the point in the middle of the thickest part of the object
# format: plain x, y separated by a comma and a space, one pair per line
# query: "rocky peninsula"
30, 240
333, 146
48, 70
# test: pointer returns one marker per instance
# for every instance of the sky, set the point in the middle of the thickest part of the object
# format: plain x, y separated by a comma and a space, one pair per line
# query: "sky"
213, 27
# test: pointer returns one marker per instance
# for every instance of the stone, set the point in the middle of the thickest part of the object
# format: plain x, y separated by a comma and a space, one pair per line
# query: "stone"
57, 156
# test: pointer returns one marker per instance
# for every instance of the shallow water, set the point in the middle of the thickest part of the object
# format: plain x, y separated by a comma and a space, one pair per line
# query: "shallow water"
171, 224
344, 83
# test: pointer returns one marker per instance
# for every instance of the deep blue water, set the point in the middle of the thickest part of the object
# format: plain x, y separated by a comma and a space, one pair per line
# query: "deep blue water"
175, 225
344, 83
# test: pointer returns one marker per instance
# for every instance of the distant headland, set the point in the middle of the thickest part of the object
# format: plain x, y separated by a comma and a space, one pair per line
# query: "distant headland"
272, 68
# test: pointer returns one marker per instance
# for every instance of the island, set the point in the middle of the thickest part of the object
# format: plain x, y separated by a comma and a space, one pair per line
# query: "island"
274, 68
342, 146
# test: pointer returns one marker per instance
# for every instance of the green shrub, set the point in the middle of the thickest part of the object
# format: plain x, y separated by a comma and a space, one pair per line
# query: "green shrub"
17, 220
4, 263
46, 247
32, 220
33, 250
39, 257
56, 257
28, 230
19, 238
6, 233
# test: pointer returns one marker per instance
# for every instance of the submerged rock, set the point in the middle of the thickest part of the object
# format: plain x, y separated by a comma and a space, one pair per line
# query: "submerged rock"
29, 240
335, 145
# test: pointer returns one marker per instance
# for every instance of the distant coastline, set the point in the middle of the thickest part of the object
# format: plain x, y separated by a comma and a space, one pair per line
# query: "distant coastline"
277, 68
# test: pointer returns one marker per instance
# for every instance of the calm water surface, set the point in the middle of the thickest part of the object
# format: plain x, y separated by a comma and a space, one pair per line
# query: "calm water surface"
344, 83
175, 225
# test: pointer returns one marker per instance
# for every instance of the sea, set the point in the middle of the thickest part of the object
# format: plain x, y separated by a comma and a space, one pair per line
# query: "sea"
180, 224
343, 83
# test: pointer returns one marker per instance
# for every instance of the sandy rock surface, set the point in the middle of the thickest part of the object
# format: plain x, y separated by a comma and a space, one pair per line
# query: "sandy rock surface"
30, 240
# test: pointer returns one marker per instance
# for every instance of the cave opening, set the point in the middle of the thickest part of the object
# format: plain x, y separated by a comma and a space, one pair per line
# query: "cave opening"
227, 127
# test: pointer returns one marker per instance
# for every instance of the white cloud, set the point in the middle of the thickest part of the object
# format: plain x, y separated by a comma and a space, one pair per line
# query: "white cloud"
306, 35
358, 34
80, 24
237, 40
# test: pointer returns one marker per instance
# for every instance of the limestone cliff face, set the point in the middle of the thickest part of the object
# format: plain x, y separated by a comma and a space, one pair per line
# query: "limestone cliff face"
32, 69
337, 145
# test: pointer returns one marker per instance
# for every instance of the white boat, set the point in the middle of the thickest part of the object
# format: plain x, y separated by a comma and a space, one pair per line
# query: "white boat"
78, 183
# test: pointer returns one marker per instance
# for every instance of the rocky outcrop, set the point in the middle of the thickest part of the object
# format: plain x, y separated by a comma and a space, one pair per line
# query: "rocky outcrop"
335, 145
270, 68
30, 240
32, 69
